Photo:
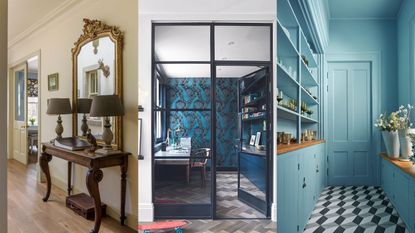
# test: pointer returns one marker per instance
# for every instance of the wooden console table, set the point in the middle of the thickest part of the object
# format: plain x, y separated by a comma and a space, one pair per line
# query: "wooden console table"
94, 163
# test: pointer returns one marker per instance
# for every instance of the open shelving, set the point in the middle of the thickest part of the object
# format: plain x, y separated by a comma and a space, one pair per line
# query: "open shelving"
297, 74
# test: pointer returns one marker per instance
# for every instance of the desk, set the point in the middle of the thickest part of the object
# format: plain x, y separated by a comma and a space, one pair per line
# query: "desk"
174, 157
94, 163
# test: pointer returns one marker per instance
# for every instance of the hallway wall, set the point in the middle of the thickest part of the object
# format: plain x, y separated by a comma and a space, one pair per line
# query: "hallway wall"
55, 39
406, 24
360, 36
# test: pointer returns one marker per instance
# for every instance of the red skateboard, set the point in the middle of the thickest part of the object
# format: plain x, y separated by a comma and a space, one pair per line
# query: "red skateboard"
174, 225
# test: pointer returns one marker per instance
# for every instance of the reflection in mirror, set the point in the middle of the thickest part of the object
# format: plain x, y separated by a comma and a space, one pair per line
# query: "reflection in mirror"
96, 76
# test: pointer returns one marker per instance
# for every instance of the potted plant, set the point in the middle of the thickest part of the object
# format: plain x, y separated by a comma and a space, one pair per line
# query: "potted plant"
32, 121
404, 129
389, 126
412, 157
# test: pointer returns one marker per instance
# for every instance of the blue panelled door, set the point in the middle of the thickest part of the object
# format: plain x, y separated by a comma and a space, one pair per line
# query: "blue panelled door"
349, 124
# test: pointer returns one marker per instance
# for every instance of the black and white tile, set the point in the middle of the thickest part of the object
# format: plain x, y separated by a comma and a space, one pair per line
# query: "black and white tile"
357, 209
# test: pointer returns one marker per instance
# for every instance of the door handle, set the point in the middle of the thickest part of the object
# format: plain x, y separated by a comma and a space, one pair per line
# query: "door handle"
304, 184
23, 126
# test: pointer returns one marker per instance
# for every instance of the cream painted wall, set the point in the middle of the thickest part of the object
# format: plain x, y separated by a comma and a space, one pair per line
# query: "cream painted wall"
183, 10
3, 116
55, 40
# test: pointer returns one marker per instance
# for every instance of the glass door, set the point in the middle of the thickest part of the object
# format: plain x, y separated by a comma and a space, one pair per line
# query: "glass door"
243, 113
241, 168
20, 149
254, 108
182, 105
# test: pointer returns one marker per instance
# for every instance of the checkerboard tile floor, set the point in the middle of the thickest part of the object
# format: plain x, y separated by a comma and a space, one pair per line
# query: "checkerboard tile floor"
357, 209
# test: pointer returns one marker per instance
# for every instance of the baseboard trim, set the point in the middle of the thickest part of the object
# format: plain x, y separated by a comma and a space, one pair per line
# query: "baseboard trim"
274, 212
131, 220
146, 212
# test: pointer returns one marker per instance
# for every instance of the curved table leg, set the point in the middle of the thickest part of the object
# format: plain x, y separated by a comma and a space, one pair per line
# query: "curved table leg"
44, 165
93, 177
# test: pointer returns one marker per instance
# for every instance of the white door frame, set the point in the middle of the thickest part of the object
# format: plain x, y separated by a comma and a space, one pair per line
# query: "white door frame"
10, 106
374, 57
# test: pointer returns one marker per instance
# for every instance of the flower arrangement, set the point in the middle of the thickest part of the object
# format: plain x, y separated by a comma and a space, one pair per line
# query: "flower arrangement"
388, 123
32, 120
404, 117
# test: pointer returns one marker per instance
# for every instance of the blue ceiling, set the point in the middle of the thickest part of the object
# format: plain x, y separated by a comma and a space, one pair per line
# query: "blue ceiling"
363, 9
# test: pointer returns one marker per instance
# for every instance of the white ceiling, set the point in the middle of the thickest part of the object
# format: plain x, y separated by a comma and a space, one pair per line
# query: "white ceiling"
25, 13
192, 43
364, 9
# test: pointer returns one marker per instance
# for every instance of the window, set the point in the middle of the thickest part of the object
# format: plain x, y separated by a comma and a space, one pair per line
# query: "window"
92, 77
32, 107
160, 104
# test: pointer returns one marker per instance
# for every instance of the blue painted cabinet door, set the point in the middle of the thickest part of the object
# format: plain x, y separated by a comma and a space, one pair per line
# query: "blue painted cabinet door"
287, 192
387, 179
401, 185
350, 124
320, 170
307, 184
411, 222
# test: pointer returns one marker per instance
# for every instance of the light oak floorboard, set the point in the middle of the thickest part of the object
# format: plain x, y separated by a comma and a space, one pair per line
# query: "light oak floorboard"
27, 213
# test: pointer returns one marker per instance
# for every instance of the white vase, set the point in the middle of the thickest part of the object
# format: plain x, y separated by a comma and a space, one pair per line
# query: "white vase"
391, 140
405, 144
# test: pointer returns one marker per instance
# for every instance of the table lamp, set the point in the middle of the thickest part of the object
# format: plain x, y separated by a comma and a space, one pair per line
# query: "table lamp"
106, 106
59, 106
84, 106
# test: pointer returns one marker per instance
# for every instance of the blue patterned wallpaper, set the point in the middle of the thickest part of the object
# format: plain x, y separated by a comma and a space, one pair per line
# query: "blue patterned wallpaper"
195, 93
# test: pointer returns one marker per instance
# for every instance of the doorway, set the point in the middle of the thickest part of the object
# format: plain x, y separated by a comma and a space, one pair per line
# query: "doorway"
350, 123
242, 144
199, 73
24, 111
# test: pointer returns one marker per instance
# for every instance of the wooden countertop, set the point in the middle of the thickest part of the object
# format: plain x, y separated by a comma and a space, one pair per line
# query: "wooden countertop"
406, 167
282, 149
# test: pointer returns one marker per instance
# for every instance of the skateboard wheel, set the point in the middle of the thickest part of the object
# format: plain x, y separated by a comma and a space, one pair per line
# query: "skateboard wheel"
179, 230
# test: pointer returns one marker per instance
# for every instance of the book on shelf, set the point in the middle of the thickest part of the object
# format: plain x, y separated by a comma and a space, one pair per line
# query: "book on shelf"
71, 143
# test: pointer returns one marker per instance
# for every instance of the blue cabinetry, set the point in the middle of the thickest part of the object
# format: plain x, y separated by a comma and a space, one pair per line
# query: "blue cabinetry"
400, 189
301, 178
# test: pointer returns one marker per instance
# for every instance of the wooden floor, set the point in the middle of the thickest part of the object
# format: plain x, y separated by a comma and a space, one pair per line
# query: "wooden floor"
27, 213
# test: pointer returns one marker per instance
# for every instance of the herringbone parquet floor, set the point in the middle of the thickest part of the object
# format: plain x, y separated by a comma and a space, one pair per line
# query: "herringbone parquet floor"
228, 205
231, 226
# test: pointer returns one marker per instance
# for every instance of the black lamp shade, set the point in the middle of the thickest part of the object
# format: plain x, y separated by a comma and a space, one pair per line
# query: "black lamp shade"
84, 105
57, 106
106, 106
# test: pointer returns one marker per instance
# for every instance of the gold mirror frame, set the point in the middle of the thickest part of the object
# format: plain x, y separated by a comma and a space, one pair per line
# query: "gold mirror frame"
92, 30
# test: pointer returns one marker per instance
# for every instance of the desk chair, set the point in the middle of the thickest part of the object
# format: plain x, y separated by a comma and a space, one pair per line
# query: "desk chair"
199, 162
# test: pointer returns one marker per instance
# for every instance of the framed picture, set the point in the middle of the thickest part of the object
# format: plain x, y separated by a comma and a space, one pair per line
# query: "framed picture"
53, 82
252, 142
258, 138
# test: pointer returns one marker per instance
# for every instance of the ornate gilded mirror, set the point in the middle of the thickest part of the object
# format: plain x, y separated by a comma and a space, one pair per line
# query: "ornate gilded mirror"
96, 70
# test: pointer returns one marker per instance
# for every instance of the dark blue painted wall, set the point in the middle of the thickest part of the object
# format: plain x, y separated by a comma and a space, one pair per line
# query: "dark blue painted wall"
185, 93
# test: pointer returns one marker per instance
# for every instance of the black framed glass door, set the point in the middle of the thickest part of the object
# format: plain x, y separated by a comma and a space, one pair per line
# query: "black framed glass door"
189, 61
